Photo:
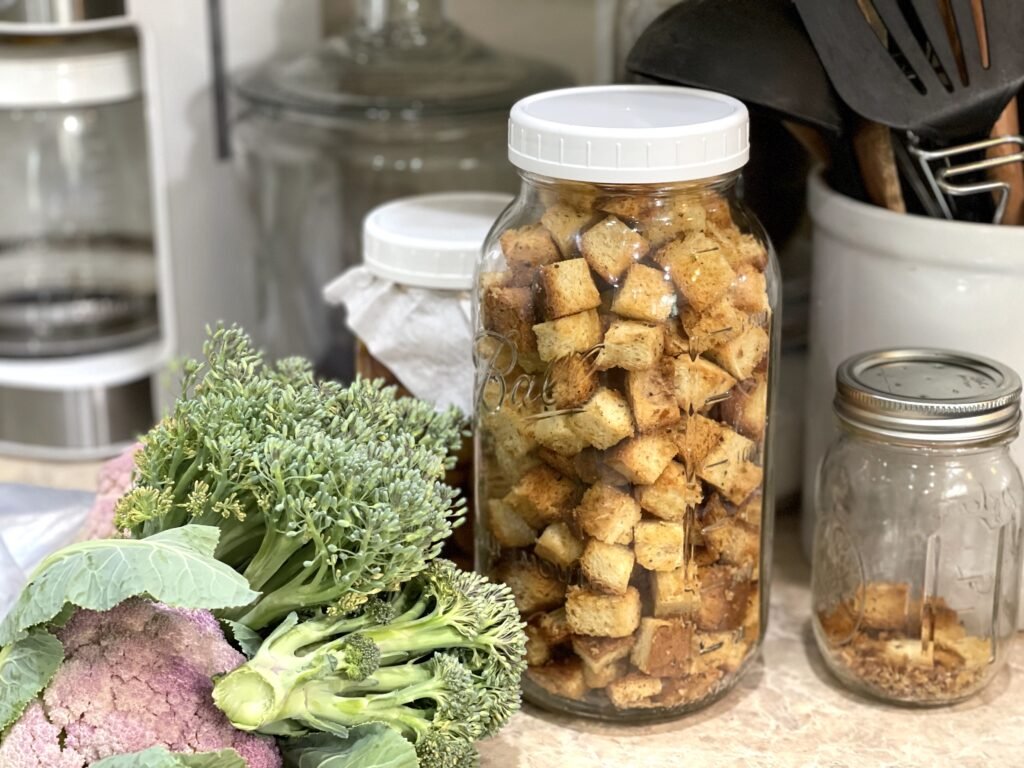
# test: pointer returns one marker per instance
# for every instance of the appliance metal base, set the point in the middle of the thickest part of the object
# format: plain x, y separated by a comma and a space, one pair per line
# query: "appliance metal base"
74, 424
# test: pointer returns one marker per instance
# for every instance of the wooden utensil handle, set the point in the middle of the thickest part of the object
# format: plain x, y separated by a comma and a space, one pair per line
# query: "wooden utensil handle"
1008, 124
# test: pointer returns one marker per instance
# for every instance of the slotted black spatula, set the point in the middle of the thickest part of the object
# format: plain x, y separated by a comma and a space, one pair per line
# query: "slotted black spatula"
944, 69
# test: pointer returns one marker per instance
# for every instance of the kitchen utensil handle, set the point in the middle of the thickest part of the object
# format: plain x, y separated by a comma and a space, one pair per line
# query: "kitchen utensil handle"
1012, 174
872, 143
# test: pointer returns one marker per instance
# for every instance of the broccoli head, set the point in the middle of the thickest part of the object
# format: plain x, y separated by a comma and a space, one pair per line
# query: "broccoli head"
134, 677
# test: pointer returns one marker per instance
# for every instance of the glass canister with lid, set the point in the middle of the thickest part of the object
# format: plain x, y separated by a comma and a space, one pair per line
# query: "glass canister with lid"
917, 554
626, 323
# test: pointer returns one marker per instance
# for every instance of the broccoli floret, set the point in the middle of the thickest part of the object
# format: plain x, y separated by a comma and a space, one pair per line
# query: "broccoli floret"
325, 495
134, 677
450, 660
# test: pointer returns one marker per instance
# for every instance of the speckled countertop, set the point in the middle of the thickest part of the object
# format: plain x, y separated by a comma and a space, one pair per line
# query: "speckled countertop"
785, 711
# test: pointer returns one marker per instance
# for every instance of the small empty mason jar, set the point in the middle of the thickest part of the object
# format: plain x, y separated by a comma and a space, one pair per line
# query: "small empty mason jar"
917, 552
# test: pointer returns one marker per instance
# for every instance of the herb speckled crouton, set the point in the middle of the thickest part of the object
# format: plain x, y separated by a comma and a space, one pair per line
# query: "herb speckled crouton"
563, 465
510, 313
715, 326
559, 545
604, 420
672, 218
610, 248
542, 496
701, 275
556, 433
632, 207
660, 545
676, 343
608, 514
573, 333
602, 651
723, 598
507, 526
631, 345
538, 652
599, 615
676, 593
511, 437
599, 677
749, 291
571, 381
554, 626
634, 691
671, 495
607, 567
720, 650
741, 355
687, 689
726, 466
734, 541
652, 397
695, 437
645, 294
739, 249
560, 678
746, 410
529, 247
696, 382
663, 647
591, 469
533, 586
564, 222
568, 288
643, 458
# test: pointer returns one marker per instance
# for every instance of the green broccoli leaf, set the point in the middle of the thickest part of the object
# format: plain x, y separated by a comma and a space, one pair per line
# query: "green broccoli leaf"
158, 757
175, 567
368, 746
248, 641
26, 668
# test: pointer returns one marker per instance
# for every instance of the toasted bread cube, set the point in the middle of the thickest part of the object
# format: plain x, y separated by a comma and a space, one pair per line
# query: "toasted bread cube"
564, 223
885, 605
750, 511
591, 468
663, 647
678, 691
533, 586
717, 209
723, 598
645, 294
568, 288
511, 437
696, 437
699, 384
634, 691
749, 291
563, 465
734, 541
604, 420
716, 325
507, 526
610, 248
529, 247
702, 276
643, 458
659, 545
726, 467
542, 496
752, 621
739, 249
742, 355
560, 678
599, 615
538, 652
574, 333
599, 677
559, 545
746, 410
607, 514
671, 495
676, 343
672, 218
631, 345
720, 650
652, 398
633, 207
509, 312
571, 381
554, 626
556, 434
607, 567
676, 593
602, 651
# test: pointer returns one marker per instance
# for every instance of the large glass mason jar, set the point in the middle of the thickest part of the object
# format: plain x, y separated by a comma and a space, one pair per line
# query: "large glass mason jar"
917, 554
625, 350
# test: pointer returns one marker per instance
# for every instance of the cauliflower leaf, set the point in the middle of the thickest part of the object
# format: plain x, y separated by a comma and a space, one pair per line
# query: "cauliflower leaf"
26, 667
368, 746
158, 757
175, 567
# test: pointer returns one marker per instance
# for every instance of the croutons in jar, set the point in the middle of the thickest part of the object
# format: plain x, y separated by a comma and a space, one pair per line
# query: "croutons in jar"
626, 315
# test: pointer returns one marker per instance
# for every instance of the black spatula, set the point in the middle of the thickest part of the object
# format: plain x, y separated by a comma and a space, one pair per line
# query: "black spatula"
944, 69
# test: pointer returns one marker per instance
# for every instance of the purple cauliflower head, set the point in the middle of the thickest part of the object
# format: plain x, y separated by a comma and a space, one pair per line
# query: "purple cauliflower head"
134, 677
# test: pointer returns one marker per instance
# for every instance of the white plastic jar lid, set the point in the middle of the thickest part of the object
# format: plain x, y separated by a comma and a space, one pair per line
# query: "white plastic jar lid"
72, 72
629, 134
430, 241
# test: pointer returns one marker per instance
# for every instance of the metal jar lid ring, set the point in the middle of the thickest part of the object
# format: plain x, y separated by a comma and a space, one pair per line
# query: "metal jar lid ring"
928, 396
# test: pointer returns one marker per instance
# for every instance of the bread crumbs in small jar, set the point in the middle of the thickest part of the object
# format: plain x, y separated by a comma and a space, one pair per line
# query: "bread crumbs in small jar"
626, 316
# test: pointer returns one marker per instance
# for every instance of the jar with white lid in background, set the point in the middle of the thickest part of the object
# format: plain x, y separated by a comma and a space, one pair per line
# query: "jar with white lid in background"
917, 550
408, 306
626, 316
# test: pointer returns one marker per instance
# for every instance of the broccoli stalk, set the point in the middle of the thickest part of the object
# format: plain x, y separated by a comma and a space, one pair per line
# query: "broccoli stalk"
439, 661
324, 495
